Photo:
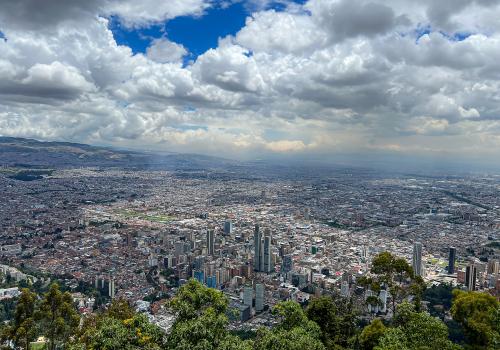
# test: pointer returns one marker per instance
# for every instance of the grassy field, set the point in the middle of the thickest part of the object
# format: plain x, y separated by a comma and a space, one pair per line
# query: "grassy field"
132, 214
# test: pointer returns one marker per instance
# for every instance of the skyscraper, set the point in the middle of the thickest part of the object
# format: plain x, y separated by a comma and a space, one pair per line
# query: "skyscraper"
287, 264
248, 295
257, 237
268, 266
259, 297
111, 287
344, 289
451, 260
228, 227
470, 276
417, 259
210, 242
493, 267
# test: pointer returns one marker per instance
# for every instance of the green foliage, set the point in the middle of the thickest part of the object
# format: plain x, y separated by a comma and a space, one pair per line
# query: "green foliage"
479, 315
22, 330
201, 322
7, 309
119, 327
297, 338
439, 298
119, 309
336, 318
295, 330
371, 334
129, 334
415, 331
397, 275
57, 316
194, 299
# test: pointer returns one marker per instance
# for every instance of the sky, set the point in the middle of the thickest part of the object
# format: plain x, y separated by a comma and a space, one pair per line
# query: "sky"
257, 79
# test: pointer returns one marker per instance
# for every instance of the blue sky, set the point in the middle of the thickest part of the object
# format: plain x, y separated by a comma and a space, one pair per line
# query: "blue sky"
196, 34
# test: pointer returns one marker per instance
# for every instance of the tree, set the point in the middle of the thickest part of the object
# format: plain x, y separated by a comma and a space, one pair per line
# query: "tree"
133, 333
479, 315
23, 328
371, 334
193, 299
201, 321
415, 330
397, 276
294, 332
118, 327
336, 317
295, 339
58, 317
119, 309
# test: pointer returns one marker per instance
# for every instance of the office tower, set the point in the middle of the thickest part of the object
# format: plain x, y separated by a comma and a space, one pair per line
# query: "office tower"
111, 288
259, 297
257, 237
248, 295
383, 301
268, 265
417, 259
199, 276
210, 242
228, 227
199, 262
364, 252
470, 277
152, 261
344, 289
451, 260
211, 282
287, 264
493, 267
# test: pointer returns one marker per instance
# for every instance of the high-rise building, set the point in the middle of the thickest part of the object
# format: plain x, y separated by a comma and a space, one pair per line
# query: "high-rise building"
470, 276
248, 295
199, 262
364, 252
344, 289
383, 301
211, 282
210, 242
493, 267
268, 265
417, 259
451, 260
228, 227
199, 276
111, 288
287, 264
259, 297
152, 260
257, 237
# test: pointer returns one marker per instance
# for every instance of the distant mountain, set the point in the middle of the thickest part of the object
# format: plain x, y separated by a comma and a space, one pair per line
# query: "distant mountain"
29, 153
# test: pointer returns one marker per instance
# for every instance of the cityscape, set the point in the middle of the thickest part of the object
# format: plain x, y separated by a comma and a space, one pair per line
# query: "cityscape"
139, 234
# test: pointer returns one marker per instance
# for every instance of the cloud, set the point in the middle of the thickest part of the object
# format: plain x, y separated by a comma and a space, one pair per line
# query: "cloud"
319, 78
145, 12
163, 50
347, 19
48, 14
286, 146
